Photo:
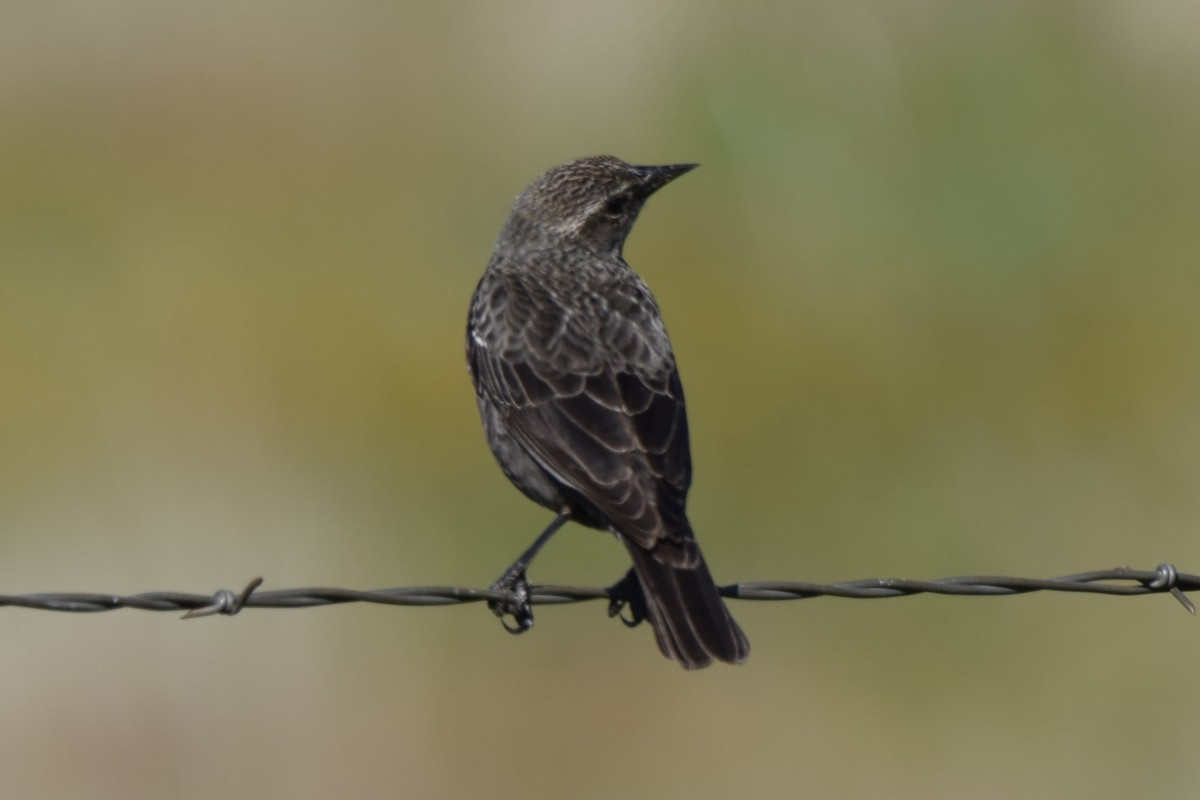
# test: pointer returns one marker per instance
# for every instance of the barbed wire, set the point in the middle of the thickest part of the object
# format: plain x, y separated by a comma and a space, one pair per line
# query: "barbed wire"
1120, 581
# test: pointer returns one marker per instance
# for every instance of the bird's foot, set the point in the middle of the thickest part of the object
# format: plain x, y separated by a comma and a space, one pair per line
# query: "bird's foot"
627, 592
515, 603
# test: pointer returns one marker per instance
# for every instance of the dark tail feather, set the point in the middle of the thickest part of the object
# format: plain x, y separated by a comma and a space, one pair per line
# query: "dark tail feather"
689, 618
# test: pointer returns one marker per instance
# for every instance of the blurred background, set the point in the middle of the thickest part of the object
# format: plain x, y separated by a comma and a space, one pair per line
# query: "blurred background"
934, 297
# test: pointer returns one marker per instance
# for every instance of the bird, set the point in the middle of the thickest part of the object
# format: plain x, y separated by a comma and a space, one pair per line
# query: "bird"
581, 400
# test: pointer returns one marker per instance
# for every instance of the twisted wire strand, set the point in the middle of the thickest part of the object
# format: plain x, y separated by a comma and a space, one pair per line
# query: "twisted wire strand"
1120, 581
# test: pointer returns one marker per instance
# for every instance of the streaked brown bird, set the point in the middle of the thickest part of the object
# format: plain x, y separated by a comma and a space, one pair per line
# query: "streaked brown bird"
581, 399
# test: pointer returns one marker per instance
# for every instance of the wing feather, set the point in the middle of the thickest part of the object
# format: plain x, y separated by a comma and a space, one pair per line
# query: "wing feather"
613, 431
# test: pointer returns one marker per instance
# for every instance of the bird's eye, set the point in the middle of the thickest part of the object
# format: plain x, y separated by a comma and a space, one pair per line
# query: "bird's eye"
616, 206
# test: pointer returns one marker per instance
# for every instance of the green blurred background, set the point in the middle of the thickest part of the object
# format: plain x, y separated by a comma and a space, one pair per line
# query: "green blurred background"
934, 295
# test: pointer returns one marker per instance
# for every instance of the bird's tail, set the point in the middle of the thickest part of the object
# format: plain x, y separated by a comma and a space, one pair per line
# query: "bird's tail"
689, 618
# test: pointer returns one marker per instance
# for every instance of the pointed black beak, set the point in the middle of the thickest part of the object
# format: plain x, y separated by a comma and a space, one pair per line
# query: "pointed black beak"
654, 178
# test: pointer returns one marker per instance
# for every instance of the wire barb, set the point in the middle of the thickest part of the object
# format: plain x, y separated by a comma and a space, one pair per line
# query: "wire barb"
1168, 578
225, 602
1119, 581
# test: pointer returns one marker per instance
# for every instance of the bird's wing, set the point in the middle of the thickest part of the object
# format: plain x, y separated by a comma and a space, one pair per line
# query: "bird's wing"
612, 429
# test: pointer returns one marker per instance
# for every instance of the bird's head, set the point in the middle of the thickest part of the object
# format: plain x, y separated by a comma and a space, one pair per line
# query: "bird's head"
592, 202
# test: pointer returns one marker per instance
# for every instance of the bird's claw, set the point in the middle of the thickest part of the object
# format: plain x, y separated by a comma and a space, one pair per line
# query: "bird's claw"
627, 593
515, 603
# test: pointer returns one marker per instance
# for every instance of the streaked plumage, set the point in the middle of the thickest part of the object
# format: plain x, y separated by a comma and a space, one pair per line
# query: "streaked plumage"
580, 396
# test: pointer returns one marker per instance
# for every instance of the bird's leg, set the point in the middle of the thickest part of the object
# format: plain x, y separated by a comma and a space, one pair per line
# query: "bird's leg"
516, 588
628, 592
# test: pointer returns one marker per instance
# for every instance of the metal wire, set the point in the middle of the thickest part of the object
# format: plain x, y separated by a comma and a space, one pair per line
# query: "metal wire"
1121, 581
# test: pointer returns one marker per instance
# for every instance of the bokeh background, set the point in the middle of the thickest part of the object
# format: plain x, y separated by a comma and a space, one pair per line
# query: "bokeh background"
934, 295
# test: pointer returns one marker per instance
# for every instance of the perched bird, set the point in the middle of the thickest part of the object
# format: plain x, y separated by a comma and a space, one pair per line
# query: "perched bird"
581, 399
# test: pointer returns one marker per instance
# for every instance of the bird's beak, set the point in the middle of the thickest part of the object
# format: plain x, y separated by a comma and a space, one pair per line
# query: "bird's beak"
654, 178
